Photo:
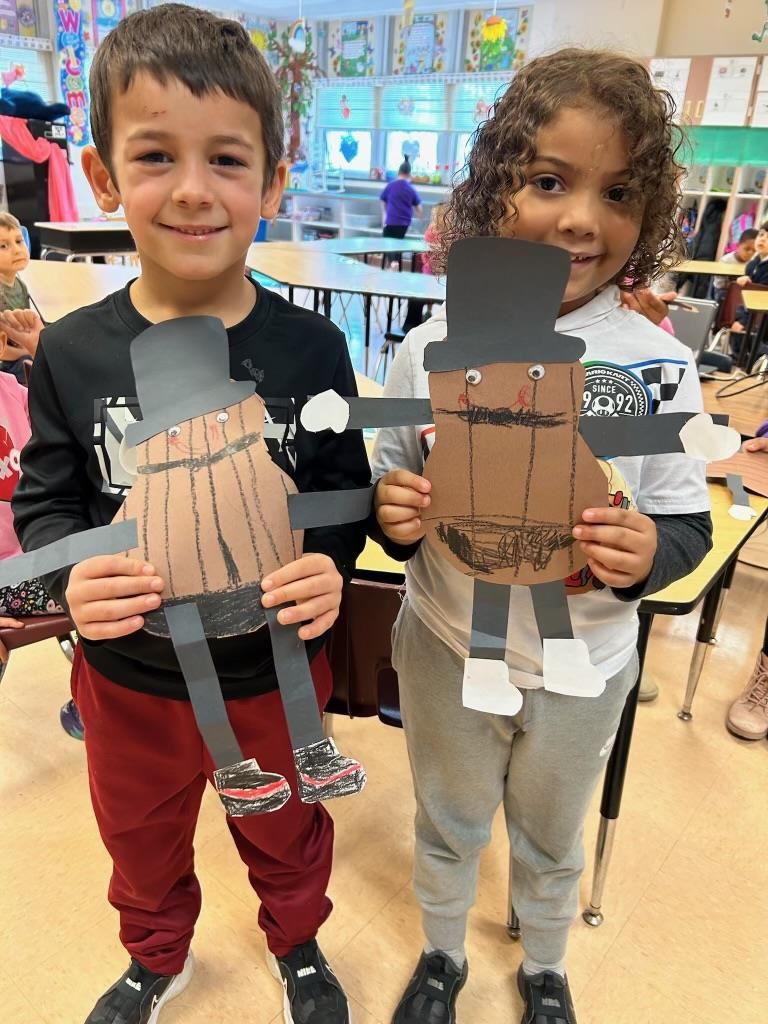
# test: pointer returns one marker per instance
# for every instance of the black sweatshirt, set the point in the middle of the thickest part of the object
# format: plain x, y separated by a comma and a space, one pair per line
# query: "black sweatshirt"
82, 395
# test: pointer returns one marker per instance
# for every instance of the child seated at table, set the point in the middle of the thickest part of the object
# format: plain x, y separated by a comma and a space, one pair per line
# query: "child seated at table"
742, 254
18, 321
756, 273
30, 597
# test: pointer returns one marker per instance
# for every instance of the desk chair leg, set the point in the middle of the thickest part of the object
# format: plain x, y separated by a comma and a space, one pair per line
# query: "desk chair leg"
704, 634
3, 667
727, 580
67, 645
513, 921
613, 786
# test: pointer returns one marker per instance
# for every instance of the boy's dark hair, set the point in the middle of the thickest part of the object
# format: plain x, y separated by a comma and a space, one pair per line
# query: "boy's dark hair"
748, 236
405, 167
205, 53
505, 144
763, 227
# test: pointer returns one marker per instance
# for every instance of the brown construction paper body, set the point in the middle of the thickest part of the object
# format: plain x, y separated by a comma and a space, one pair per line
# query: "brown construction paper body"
509, 518
212, 511
752, 467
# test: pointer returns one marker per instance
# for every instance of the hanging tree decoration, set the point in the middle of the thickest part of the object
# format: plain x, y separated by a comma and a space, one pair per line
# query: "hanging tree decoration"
295, 72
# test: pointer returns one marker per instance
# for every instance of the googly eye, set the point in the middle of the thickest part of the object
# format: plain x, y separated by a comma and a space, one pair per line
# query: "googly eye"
174, 431
473, 376
222, 417
536, 372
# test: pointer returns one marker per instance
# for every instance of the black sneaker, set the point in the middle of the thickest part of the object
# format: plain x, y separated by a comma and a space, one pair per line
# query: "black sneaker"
313, 994
139, 996
430, 997
547, 998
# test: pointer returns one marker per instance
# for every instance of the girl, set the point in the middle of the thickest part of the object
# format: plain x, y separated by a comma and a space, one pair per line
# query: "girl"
579, 153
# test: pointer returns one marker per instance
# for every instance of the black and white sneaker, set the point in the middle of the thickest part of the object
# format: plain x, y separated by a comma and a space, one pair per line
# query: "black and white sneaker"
547, 998
430, 997
313, 994
139, 996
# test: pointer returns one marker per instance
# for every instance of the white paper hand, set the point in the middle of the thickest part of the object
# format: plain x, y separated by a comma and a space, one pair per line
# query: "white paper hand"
708, 441
325, 411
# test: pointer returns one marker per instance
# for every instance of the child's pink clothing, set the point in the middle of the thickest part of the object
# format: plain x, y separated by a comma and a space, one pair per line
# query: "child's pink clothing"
14, 434
430, 237
666, 325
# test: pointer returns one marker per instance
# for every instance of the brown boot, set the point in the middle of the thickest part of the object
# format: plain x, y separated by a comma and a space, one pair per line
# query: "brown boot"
748, 715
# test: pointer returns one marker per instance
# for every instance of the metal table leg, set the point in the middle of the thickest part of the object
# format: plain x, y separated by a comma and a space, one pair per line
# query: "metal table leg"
367, 316
709, 613
613, 786
513, 921
726, 589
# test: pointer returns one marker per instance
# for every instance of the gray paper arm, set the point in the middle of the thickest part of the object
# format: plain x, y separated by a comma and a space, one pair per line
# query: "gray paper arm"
312, 509
329, 410
696, 434
101, 540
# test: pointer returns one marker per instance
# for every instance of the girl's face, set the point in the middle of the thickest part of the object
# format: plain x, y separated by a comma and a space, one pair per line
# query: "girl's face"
576, 197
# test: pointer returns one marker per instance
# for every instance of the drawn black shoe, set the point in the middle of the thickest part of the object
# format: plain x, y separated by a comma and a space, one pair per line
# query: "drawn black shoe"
547, 998
313, 994
431, 995
245, 788
139, 995
324, 773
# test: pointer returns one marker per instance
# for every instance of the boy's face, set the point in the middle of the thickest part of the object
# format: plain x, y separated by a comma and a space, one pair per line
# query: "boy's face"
576, 198
189, 174
761, 242
746, 250
14, 255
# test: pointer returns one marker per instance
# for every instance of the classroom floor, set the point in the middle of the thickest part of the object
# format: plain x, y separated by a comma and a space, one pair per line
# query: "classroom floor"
686, 904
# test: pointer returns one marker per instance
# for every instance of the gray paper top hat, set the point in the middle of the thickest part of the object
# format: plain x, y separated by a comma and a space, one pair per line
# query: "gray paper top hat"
181, 369
502, 299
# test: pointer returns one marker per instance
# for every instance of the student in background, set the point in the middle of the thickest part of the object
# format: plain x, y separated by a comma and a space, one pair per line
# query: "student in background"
21, 325
756, 273
400, 200
743, 254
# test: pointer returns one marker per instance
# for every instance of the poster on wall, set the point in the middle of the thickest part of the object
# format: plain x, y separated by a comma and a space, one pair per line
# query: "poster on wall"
9, 24
730, 90
17, 18
760, 112
105, 15
497, 41
71, 51
420, 46
671, 74
351, 48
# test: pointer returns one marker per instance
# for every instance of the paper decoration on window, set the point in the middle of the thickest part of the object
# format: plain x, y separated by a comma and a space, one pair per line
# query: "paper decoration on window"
14, 74
344, 107
348, 148
497, 39
71, 49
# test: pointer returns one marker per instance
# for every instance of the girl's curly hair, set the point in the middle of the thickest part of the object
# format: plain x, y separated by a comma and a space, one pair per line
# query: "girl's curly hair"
506, 143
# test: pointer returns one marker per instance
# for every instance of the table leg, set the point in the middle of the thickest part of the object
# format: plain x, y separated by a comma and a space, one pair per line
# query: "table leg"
707, 619
327, 298
367, 302
44, 253
513, 921
613, 786
290, 293
727, 580
315, 299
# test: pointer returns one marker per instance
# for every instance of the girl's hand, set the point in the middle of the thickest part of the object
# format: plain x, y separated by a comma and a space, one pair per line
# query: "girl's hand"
23, 327
314, 583
743, 281
756, 444
620, 545
399, 499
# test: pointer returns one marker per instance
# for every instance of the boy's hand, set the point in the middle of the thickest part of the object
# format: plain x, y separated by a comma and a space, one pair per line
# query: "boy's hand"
7, 623
23, 328
399, 499
756, 444
108, 595
619, 543
743, 281
314, 583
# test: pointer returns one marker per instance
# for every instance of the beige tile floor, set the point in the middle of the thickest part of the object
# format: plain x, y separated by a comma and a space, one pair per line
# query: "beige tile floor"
686, 931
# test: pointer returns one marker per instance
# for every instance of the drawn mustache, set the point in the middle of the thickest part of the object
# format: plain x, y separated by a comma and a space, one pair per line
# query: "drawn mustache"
483, 415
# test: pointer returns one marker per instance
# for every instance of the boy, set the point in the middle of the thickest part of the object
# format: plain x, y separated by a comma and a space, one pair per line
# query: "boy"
756, 273
21, 325
743, 254
188, 131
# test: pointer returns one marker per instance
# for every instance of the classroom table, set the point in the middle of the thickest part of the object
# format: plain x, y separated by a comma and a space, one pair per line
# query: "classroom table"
325, 273
58, 288
746, 410
373, 245
85, 238
710, 267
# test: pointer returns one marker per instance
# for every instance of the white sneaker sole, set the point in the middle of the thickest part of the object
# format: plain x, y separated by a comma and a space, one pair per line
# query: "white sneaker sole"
176, 987
274, 970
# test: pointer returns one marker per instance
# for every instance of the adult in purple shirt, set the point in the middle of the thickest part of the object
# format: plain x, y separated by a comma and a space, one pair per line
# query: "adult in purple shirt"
400, 198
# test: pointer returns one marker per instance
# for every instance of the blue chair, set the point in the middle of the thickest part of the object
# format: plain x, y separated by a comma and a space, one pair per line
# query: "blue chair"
25, 236
261, 234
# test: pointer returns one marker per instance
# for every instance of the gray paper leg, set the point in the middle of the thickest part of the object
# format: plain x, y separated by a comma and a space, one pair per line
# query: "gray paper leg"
242, 786
550, 606
322, 772
490, 616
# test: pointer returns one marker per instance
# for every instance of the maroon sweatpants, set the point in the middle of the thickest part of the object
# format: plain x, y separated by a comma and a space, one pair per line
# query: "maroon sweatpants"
147, 767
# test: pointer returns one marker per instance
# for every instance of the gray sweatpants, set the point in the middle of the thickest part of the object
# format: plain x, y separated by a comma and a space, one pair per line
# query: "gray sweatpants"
543, 764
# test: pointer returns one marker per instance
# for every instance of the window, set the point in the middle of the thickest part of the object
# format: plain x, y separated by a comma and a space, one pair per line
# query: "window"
420, 147
348, 151
463, 147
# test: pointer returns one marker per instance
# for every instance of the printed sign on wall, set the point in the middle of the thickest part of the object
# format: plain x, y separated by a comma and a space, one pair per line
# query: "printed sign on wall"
70, 46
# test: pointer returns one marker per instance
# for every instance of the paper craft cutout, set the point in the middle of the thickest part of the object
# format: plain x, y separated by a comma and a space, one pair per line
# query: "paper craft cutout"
514, 463
752, 467
210, 511
741, 508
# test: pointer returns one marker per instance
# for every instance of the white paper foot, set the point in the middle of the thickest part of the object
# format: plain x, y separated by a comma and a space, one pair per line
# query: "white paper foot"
328, 410
568, 670
487, 687
743, 512
703, 439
